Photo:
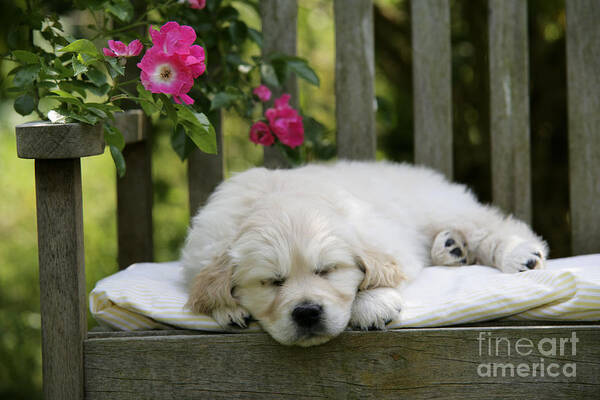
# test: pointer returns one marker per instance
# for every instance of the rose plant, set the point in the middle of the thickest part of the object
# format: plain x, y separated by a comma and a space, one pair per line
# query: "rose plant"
193, 63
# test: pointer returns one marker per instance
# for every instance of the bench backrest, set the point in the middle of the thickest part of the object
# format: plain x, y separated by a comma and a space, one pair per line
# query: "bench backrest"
432, 99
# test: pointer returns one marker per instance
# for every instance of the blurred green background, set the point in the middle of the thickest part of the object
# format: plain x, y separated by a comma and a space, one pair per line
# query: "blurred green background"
20, 354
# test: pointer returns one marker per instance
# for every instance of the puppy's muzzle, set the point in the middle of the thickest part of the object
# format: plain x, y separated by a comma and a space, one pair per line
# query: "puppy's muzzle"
307, 315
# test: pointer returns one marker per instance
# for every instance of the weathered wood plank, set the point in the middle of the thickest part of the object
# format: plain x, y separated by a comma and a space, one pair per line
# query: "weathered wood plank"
415, 363
101, 332
432, 91
62, 276
355, 79
279, 29
134, 192
509, 107
133, 125
45, 140
205, 171
583, 84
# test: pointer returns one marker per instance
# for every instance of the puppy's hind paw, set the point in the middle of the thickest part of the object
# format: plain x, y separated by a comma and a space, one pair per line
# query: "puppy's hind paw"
233, 318
373, 309
523, 257
450, 248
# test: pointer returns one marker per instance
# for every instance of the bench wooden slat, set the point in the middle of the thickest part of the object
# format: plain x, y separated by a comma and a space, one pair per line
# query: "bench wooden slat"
205, 171
134, 191
279, 28
354, 79
412, 363
509, 107
62, 276
432, 89
583, 83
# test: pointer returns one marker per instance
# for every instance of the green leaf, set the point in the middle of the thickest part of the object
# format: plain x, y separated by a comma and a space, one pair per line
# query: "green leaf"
238, 31
121, 9
198, 128
96, 111
99, 90
82, 117
115, 67
26, 75
212, 5
74, 101
223, 100
147, 101
181, 143
81, 46
228, 14
78, 67
85, 59
60, 69
268, 75
73, 86
234, 59
169, 108
24, 104
281, 70
64, 94
113, 136
97, 77
255, 36
26, 57
303, 70
119, 160
284, 64
108, 108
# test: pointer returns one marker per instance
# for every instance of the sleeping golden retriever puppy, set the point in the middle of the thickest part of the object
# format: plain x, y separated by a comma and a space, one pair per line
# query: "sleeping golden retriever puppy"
309, 251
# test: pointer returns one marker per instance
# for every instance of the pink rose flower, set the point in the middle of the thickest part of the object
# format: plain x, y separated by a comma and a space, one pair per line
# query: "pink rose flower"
262, 92
172, 64
162, 73
285, 122
283, 101
173, 38
120, 49
261, 134
197, 4
195, 60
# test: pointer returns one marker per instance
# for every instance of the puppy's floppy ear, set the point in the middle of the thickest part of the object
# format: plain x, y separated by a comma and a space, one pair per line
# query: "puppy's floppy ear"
381, 270
211, 288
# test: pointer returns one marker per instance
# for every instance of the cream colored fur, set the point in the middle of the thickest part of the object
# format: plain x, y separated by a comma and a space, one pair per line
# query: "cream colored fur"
346, 236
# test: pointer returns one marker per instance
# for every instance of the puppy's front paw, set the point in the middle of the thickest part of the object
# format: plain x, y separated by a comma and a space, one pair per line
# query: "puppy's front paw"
450, 248
373, 309
523, 257
232, 318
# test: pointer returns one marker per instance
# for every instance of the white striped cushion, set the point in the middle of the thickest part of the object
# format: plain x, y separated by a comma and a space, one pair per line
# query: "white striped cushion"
152, 296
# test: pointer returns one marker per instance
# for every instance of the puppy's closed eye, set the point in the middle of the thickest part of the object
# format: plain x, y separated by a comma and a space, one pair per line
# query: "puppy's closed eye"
323, 272
273, 282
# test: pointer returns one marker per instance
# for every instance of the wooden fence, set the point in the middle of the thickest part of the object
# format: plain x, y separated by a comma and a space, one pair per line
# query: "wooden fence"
355, 111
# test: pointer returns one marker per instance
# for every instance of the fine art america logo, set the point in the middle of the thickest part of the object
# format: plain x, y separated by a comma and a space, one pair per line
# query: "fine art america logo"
524, 357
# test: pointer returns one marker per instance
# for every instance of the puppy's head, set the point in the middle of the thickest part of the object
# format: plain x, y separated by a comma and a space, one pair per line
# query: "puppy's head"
295, 274
295, 269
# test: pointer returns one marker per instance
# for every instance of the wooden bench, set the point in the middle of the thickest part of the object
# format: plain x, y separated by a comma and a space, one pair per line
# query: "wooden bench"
416, 363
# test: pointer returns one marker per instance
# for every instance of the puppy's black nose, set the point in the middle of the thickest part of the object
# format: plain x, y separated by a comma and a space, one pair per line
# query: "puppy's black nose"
307, 314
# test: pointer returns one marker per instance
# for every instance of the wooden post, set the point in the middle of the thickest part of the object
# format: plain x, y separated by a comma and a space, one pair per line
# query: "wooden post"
509, 107
279, 36
432, 91
205, 171
134, 191
354, 79
60, 242
583, 84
